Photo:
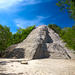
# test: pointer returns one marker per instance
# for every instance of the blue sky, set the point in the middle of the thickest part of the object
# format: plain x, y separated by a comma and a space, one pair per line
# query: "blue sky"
24, 13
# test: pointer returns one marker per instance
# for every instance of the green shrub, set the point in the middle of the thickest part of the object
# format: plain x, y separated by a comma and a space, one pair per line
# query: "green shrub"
7, 38
69, 37
56, 28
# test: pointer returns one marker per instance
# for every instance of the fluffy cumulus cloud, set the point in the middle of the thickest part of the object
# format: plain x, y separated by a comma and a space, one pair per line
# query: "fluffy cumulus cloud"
24, 23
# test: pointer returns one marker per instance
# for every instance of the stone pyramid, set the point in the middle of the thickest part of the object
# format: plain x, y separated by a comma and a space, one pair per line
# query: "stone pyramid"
42, 42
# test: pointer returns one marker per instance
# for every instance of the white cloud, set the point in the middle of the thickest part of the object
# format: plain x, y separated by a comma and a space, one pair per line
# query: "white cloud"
30, 2
5, 4
25, 23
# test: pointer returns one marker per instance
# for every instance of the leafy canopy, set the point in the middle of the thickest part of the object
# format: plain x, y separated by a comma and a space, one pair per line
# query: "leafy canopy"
69, 5
7, 38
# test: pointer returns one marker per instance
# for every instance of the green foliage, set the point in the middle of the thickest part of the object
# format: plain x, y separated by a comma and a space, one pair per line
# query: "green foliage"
7, 38
56, 28
69, 5
73, 27
68, 35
